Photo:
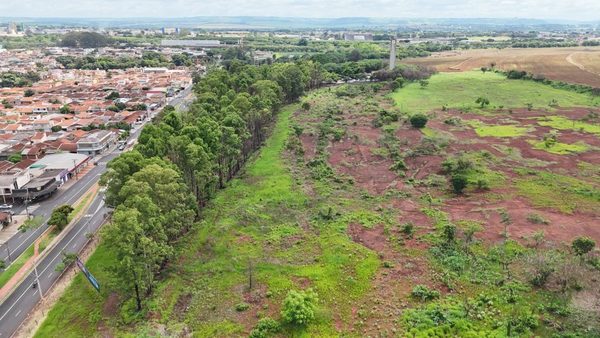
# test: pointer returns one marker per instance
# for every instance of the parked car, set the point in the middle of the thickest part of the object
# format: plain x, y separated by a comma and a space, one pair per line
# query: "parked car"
5, 206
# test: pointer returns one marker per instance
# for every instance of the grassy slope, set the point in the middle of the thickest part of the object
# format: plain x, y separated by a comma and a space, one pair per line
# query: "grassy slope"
263, 217
460, 90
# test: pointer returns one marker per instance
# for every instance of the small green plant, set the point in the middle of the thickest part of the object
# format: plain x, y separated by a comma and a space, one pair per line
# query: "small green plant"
408, 229
423, 293
482, 102
582, 245
265, 327
537, 219
306, 106
459, 183
418, 120
241, 307
299, 307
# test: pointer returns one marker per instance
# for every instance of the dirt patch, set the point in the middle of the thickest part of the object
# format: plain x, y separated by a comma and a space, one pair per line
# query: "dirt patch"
560, 228
391, 286
182, 305
111, 305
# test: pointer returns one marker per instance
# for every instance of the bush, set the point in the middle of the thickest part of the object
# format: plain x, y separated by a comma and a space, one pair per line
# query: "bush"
537, 219
265, 327
241, 307
305, 105
408, 229
459, 183
299, 307
582, 245
418, 120
424, 293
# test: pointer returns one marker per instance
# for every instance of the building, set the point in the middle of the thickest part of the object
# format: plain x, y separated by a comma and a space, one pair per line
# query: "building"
191, 43
11, 180
96, 142
358, 36
39, 187
68, 163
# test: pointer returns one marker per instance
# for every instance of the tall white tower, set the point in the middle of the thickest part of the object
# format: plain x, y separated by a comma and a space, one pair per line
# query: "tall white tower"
392, 53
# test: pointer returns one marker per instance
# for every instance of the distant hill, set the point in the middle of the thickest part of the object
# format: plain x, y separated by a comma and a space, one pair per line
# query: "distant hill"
268, 23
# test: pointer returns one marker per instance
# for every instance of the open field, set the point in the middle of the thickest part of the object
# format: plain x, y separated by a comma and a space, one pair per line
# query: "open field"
574, 65
348, 199
460, 90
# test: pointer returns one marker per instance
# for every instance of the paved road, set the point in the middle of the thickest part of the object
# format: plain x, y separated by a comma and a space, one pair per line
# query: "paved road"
22, 240
23, 299
17, 244
17, 306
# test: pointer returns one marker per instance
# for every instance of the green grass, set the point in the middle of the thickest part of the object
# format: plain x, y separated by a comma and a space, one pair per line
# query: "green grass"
486, 130
560, 148
460, 90
7, 274
263, 217
79, 310
563, 123
562, 193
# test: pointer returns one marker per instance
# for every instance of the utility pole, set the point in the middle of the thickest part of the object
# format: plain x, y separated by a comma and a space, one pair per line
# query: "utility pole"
75, 169
27, 204
392, 53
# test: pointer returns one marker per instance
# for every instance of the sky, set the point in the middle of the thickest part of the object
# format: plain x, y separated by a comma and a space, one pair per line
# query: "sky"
542, 9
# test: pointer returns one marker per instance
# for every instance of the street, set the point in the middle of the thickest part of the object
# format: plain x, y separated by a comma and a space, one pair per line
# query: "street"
24, 297
17, 306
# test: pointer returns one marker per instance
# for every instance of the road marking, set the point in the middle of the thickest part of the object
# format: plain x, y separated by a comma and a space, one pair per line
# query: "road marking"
18, 313
49, 264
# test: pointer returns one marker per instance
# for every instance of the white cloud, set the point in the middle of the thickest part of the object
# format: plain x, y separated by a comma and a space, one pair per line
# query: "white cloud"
555, 9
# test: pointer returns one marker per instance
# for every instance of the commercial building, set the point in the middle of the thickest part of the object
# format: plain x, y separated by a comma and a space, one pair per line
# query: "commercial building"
96, 143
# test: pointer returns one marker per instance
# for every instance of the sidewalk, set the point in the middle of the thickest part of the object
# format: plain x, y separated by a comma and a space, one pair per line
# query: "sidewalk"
12, 229
85, 202
26, 268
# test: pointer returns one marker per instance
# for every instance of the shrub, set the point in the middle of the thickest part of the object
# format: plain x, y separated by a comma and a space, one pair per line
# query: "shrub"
423, 293
582, 245
306, 106
418, 120
537, 219
299, 307
241, 307
264, 328
459, 183
408, 229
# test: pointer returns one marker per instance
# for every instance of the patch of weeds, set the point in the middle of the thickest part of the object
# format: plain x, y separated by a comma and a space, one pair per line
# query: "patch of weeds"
423, 293
537, 219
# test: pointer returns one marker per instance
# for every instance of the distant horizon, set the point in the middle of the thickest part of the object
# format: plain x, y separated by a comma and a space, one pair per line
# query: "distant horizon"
574, 10
550, 19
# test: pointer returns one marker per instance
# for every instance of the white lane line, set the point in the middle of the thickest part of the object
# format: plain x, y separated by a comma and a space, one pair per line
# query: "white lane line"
49, 264
18, 313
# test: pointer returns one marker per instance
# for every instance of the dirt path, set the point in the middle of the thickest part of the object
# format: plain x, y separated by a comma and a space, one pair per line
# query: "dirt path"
570, 60
459, 65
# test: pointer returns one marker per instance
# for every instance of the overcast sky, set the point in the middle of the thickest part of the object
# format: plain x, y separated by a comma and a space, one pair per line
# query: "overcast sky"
544, 9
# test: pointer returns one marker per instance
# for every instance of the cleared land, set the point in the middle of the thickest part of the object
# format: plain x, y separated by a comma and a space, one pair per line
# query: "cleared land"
388, 248
573, 65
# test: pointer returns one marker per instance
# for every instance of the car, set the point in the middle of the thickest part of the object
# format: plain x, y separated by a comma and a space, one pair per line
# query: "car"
122, 146
5, 206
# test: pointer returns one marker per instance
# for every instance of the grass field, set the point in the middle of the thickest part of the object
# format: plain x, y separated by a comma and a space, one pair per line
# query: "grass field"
573, 65
461, 90
366, 215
